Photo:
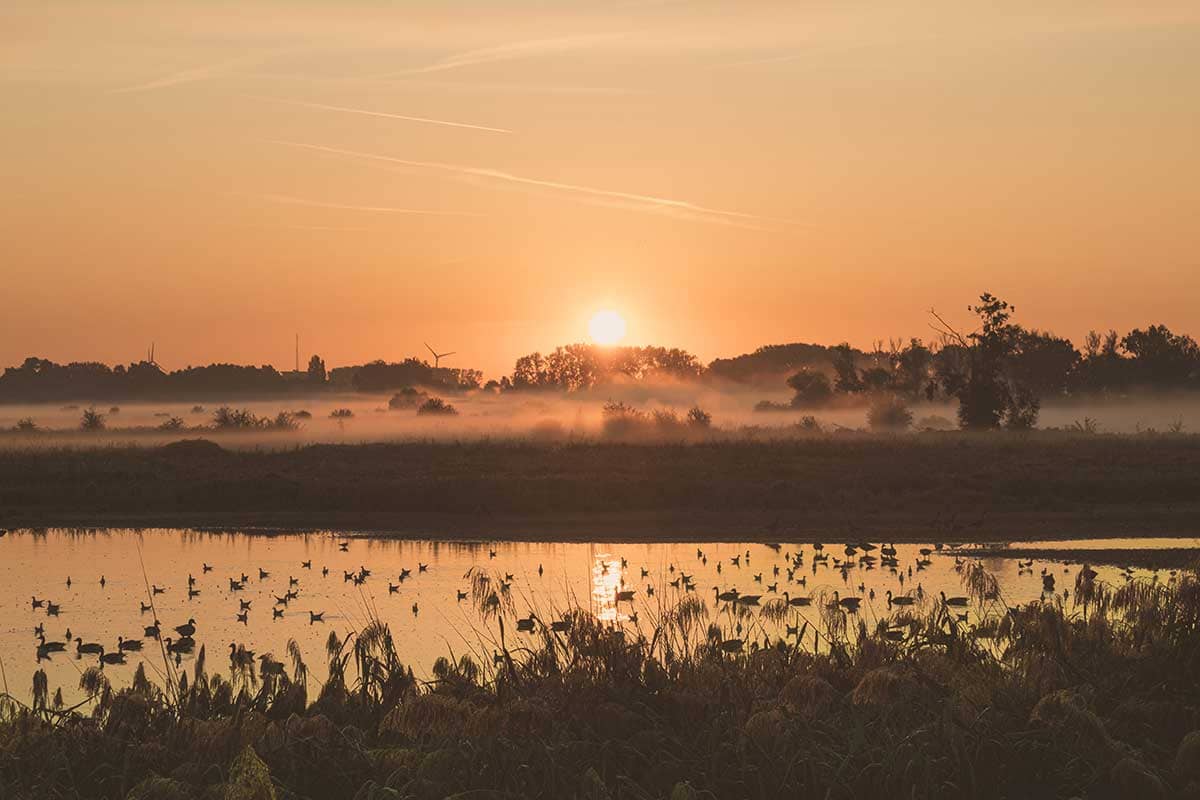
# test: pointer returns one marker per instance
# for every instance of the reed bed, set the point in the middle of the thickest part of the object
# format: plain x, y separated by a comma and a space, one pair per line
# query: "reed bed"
1096, 699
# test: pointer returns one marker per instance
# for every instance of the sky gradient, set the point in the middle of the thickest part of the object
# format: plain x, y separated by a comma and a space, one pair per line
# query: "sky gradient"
217, 177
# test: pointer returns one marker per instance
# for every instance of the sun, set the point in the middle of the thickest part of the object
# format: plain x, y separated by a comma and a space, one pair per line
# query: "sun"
606, 327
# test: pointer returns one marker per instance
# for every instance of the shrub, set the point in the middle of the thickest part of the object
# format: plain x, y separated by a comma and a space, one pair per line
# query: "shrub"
437, 407
27, 425
172, 424
766, 406
697, 417
341, 414
889, 413
812, 389
92, 420
408, 397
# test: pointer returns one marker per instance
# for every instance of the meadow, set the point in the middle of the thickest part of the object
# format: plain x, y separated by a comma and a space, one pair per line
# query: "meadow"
951, 486
1097, 698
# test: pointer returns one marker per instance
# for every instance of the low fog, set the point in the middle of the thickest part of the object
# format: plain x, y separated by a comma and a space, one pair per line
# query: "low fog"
541, 417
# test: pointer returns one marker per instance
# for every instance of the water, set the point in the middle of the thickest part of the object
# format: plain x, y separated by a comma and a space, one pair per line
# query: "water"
38, 564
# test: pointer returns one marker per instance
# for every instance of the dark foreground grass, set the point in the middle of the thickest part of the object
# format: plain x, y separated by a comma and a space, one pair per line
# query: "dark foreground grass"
1037, 702
949, 485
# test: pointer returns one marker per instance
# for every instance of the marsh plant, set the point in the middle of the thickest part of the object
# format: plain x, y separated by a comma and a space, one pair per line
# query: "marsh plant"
1095, 698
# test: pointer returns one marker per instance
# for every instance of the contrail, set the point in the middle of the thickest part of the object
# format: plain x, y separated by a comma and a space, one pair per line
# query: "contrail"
297, 201
345, 110
512, 50
662, 203
187, 75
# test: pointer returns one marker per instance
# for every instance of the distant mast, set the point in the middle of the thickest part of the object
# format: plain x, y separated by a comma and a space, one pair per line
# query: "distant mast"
297, 352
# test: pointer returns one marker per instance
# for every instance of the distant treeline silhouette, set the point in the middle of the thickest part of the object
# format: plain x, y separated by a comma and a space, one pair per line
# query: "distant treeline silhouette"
1001, 369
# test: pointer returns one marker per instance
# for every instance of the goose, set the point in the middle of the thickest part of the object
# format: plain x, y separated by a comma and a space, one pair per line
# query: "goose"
491, 553
239, 656
157, 590
191, 580
244, 579
344, 546
954, 601
793, 630
243, 617
625, 596
152, 631
562, 625
727, 596
186, 630
38, 603
50, 647
508, 577
900, 600
193, 593
245, 604
68, 581
146, 607
541, 571
736, 561
316, 616
393, 588
111, 658
293, 581
773, 588
650, 590
324, 572
849, 603
183, 645
894, 634
282, 601
39, 630
404, 573
758, 578
290, 595
461, 595
236, 586
347, 576
276, 613
732, 645
263, 574
797, 601
52, 609
89, 647
748, 599
128, 644
497, 658
415, 609
526, 624
645, 572
306, 564
422, 567
205, 568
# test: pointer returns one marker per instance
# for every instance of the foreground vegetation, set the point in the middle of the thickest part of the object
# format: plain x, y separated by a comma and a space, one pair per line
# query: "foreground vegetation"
953, 486
1099, 699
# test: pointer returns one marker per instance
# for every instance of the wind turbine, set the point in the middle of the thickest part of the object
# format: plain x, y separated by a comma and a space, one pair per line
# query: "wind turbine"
437, 357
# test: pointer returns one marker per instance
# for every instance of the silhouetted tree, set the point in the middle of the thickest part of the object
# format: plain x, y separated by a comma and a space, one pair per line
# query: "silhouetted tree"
92, 420
812, 389
316, 370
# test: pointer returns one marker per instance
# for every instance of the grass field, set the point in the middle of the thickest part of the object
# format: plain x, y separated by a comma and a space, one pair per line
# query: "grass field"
950, 486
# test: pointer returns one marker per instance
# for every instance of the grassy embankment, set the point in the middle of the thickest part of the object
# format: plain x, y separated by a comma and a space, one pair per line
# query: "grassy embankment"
949, 486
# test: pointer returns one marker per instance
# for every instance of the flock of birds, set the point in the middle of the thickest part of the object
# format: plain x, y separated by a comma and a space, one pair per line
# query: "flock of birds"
787, 572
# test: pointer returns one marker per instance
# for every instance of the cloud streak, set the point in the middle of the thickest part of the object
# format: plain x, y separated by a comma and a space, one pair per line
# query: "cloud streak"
511, 51
642, 201
298, 201
369, 113
187, 75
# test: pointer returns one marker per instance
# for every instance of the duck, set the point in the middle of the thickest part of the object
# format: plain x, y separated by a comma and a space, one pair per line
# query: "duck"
183, 645
526, 623
186, 630
52, 609
128, 644
50, 647
152, 631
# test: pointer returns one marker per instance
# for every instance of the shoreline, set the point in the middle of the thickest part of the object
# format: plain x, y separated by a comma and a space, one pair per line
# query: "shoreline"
655, 527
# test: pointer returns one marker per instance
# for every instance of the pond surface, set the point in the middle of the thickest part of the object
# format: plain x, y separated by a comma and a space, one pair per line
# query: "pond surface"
424, 611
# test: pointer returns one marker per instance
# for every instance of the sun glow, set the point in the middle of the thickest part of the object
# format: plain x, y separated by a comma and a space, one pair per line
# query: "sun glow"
606, 327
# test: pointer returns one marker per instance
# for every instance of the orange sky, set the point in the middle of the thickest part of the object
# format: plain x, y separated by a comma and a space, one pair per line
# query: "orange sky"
724, 174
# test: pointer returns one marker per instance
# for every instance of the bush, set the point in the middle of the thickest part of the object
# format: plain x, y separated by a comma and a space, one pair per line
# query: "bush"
92, 420
172, 424
767, 406
26, 425
812, 389
341, 414
697, 417
408, 397
437, 407
889, 413
621, 419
